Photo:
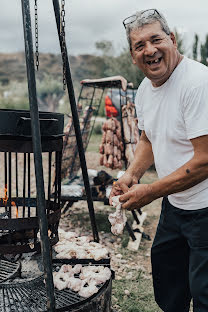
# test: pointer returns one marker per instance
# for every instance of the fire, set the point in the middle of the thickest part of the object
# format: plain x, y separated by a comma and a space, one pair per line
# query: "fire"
14, 205
5, 200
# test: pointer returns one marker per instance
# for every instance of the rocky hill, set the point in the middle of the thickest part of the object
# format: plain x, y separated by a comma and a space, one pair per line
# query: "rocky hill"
12, 67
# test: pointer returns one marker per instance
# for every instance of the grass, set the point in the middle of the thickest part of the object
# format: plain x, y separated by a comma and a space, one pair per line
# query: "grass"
95, 141
140, 298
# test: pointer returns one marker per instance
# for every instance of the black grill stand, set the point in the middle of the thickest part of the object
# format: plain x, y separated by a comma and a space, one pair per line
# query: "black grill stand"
41, 205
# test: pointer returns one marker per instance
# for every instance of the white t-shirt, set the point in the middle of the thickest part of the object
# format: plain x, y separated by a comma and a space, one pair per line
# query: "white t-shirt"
171, 115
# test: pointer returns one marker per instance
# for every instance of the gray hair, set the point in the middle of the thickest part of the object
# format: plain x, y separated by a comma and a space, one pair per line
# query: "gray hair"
142, 19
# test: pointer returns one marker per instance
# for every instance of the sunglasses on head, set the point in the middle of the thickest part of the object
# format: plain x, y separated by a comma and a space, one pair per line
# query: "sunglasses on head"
147, 13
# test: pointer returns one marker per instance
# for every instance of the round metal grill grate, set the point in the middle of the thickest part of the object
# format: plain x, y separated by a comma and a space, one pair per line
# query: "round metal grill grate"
8, 269
31, 296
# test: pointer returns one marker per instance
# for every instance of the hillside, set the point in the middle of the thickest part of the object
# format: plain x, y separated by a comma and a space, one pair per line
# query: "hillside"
12, 66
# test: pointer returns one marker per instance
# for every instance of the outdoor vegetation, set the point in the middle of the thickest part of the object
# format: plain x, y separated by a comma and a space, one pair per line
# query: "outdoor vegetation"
51, 97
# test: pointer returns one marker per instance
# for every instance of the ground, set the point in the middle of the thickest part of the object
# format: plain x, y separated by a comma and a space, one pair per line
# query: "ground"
132, 287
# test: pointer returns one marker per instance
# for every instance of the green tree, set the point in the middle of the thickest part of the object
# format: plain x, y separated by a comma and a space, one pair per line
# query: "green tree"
204, 52
180, 41
105, 46
122, 65
14, 95
49, 93
195, 47
119, 65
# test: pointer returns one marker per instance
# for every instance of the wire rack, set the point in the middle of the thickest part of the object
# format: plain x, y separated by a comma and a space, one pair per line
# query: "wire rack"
88, 105
30, 296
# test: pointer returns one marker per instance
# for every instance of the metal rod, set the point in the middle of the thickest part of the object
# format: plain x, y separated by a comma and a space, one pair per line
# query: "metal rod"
17, 187
49, 176
77, 128
10, 184
24, 185
36, 137
131, 233
59, 177
5, 180
122, 129
56, 180
28, 183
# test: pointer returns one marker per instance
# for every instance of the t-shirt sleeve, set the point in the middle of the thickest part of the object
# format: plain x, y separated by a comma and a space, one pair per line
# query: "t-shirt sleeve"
196, 112
139, 110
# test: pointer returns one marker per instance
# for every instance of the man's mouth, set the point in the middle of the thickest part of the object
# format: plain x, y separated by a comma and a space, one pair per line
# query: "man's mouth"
156, 61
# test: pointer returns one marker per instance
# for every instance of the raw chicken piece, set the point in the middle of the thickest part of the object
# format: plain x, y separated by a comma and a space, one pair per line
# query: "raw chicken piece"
66, 235
88, 291
98, 254
66, 268
75, 284
60, 280
87, 271
90, 275
77, 268
61, 255
79, 248
82, 240
118, 218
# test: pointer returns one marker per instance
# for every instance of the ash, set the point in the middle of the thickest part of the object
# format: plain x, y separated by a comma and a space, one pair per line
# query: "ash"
31, 266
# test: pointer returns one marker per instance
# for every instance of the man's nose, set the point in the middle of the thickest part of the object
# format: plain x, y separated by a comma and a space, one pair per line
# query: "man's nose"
150, 49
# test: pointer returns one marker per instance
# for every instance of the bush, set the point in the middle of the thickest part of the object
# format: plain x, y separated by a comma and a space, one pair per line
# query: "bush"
97, 129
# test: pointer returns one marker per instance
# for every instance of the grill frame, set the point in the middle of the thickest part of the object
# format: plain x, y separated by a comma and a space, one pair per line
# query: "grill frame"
20, 235
32, 293
8, 270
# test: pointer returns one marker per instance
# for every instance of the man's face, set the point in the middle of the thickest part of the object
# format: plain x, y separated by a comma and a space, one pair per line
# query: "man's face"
154, 52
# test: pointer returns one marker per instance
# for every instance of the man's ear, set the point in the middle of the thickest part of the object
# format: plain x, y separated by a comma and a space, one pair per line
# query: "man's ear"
132, 57
173, 39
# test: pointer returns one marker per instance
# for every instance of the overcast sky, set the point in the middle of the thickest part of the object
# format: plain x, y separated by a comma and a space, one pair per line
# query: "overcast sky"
88, 21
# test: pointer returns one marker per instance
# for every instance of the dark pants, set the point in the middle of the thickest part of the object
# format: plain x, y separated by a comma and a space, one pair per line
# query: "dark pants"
180, 259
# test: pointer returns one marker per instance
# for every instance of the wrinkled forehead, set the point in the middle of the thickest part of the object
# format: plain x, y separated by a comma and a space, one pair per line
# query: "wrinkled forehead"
146, 31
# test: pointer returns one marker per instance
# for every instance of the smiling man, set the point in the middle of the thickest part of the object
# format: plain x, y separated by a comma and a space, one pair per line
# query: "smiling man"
172, 109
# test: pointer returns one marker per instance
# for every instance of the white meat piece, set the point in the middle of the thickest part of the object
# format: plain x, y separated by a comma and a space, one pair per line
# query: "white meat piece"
66, 268
62, 255
99, 254
77, 268
66, 235
80, 248
91, 275
118, 218
88, 291
100, 277
75, 284
60, 280
64, 246
82, 240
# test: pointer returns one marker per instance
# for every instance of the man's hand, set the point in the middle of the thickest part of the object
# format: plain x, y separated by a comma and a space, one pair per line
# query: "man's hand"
122, 185
137, 196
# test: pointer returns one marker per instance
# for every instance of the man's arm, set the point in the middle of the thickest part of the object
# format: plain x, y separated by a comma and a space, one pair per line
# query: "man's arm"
190, 174
143, 159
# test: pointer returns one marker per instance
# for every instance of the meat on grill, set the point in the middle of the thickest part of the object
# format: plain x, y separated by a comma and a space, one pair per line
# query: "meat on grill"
71, 246
85, 284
